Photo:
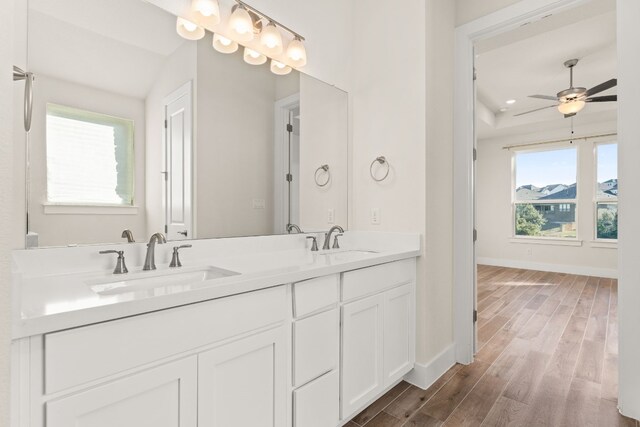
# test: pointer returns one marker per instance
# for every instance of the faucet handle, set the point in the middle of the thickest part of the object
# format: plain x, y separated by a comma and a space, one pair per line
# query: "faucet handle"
121, 267
336, 245
314, 245
175, 259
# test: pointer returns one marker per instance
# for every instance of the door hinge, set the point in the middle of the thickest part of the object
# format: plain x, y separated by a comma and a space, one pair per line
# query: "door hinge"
165, 124
475, 235
289, 127
475, 154
289, 177
475, 74
475, 316
166, 228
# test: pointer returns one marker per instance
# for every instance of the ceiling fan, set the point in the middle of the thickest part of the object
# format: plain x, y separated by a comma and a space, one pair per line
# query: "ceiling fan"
571, 101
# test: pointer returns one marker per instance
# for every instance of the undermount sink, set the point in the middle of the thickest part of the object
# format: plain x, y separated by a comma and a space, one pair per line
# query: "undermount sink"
143, 280
347, 255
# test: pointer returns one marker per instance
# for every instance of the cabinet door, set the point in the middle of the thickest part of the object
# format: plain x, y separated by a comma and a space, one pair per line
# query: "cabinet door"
243, 383
362, 369
399, 333
160, 397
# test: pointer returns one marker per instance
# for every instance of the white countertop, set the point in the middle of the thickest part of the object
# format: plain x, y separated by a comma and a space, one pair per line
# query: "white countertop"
57, 296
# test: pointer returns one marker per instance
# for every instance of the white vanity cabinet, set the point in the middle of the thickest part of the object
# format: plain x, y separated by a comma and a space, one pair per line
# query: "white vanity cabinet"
164, 396
378, 331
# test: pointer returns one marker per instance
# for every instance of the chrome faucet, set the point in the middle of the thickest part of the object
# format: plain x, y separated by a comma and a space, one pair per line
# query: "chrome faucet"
291, 227
128, 234
150, 260
327, 236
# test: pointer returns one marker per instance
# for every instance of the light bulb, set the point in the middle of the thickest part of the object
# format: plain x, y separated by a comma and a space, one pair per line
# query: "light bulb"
279, 68
189, 30
223, 44
296, 53
271, 39
207, 8
241, 24
254, 58
571, 107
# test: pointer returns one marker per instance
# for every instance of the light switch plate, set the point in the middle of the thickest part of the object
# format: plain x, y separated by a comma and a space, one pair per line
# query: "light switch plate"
331, 216
375, 216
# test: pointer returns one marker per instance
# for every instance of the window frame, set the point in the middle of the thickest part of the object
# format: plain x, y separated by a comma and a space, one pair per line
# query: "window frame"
80, 207
569, 241
600, 200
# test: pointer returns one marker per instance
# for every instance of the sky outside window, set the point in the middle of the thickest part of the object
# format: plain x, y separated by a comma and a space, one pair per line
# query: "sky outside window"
607, 162
544, 168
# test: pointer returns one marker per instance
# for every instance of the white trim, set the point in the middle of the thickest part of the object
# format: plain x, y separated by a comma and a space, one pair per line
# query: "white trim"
281, 117
71, 209
423, 375
604, 244
506, 19
553, 268
545, 241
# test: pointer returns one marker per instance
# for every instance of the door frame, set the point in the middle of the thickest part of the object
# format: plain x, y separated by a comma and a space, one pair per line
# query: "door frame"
185, 89
282, 107
466, 35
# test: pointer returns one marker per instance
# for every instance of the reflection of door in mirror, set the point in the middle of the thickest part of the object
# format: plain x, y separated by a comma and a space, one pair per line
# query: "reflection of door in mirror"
178, 130
287, 163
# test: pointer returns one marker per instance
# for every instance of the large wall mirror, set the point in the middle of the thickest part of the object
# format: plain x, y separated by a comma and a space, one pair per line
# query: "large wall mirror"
135, 128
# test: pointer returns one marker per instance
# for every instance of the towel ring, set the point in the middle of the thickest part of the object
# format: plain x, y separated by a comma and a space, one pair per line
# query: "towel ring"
317, 176
383, 161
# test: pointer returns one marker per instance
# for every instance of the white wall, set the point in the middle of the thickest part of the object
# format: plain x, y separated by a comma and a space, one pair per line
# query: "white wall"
629, 226
178, 69
234, 144
468, 10
324, 133
63, 229
494, 213
7, 212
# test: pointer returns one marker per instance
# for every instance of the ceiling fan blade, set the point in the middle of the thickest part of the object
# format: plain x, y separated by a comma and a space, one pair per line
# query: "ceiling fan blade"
548, 97
602, 87
533, 111
605, 98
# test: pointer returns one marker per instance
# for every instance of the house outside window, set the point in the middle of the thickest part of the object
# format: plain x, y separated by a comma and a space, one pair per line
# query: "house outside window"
606, 199
90, 158
545, 193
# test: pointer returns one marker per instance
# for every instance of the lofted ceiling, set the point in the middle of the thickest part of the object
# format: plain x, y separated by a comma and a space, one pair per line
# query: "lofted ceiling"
529, 60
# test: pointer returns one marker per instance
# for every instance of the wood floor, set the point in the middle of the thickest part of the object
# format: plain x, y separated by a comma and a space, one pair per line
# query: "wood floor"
548, 354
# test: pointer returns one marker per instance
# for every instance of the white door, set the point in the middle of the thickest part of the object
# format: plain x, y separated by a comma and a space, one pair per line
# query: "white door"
178, 157
399, 332
243, 383
362, 349
160, 397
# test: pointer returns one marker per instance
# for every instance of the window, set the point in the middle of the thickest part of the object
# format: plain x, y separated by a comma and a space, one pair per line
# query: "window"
606, 191
89, 158
545, 193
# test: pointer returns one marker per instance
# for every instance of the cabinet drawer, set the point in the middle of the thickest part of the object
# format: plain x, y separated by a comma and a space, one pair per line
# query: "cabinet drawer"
315, 346
316, 404
80, 355
315, 294
372, 280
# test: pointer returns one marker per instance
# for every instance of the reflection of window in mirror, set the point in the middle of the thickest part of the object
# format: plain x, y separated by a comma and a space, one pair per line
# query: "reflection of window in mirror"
89, 157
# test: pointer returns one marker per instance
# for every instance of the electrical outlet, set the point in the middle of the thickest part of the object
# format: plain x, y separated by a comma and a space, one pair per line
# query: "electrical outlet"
331, 216
529, 252
258, 203
375, 216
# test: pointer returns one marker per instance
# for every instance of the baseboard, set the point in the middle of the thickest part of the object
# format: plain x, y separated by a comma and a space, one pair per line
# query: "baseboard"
609, 273
424, 375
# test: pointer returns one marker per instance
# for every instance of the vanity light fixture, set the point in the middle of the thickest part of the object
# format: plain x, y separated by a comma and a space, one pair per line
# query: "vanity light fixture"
271, 39
241, 24
189, 30
254, 58
279, 68
296, 52
223, 44
208, 8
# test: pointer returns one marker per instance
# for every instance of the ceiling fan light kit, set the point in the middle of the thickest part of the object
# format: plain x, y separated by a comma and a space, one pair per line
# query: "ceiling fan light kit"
572, 100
